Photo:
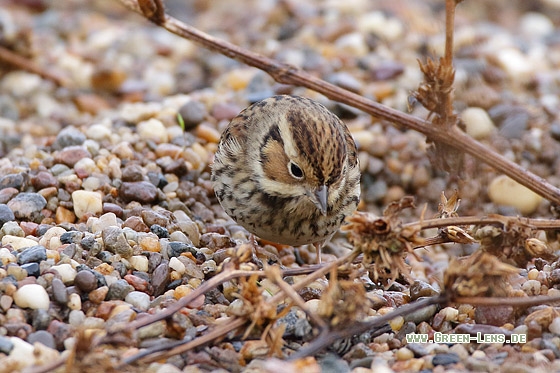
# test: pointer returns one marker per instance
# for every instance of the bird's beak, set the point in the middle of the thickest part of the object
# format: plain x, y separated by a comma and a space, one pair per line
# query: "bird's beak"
319, 197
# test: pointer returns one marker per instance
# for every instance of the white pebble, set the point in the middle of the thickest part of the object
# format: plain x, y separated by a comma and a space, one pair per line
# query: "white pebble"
98, 132
478, 123
18, 243
76, 318
168, 368
74, 302
531, 287
91, 146
515, 64
505, 191
139, 262
312, 305
153, 129
32, 296
91, 183
69, 343
6, 257
138, 111
51, 238
86, 202
554, 326
536, 24
93, 323
106, 220
353, 44
21, 353
86, 164
176, 265
138, 299
66, 272
450, 313
377, 23
403, 354
20, 84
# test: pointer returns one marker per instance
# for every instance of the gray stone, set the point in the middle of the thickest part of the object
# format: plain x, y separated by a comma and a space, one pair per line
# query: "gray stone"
42, 336
119, 290
6, 214
27, 206
33, 254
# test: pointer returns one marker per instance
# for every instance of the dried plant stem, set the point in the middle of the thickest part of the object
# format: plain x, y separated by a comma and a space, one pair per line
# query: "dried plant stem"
22, 63
179, 347
274, 274
486, 220
448, 59
287, 74
512, 302
218, 332
449, 28
226, 275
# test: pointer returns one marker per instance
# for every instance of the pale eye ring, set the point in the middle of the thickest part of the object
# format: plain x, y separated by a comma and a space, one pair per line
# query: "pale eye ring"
295, 170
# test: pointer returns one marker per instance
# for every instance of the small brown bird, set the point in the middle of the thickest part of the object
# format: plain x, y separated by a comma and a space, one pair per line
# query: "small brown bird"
287, 170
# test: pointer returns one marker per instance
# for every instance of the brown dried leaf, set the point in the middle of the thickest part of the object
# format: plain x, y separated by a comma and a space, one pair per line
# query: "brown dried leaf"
479, 274
343, 302
383, 241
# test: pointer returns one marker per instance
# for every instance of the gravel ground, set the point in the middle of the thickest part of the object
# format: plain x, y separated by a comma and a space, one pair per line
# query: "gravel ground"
107, 213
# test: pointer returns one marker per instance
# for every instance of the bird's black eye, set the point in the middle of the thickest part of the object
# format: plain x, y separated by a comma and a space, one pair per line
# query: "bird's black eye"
295, 171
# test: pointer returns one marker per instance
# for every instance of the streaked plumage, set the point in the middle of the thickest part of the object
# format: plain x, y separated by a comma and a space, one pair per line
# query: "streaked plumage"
287, 170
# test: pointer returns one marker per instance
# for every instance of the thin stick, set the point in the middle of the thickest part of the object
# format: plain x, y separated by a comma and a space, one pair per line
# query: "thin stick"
487, 220
200, 341
22, 63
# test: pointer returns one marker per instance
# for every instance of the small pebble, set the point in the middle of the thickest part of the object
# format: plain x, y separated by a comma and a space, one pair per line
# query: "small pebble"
71, 155
16, 181
60, 293
66, 272
478, 123
51, 238
119, 290
138, 299
505, 191
445, 359
554, 326
139, 262
193, 113
531, 287
86, 281
153, 130
141, 191
33, 254
104, 221
69, 136
18, 243
76, 317
116, 242
43, 337
6, 214
98, 295
27, 206
32, 269
74, 302
86, 202
404, 354
32, 296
